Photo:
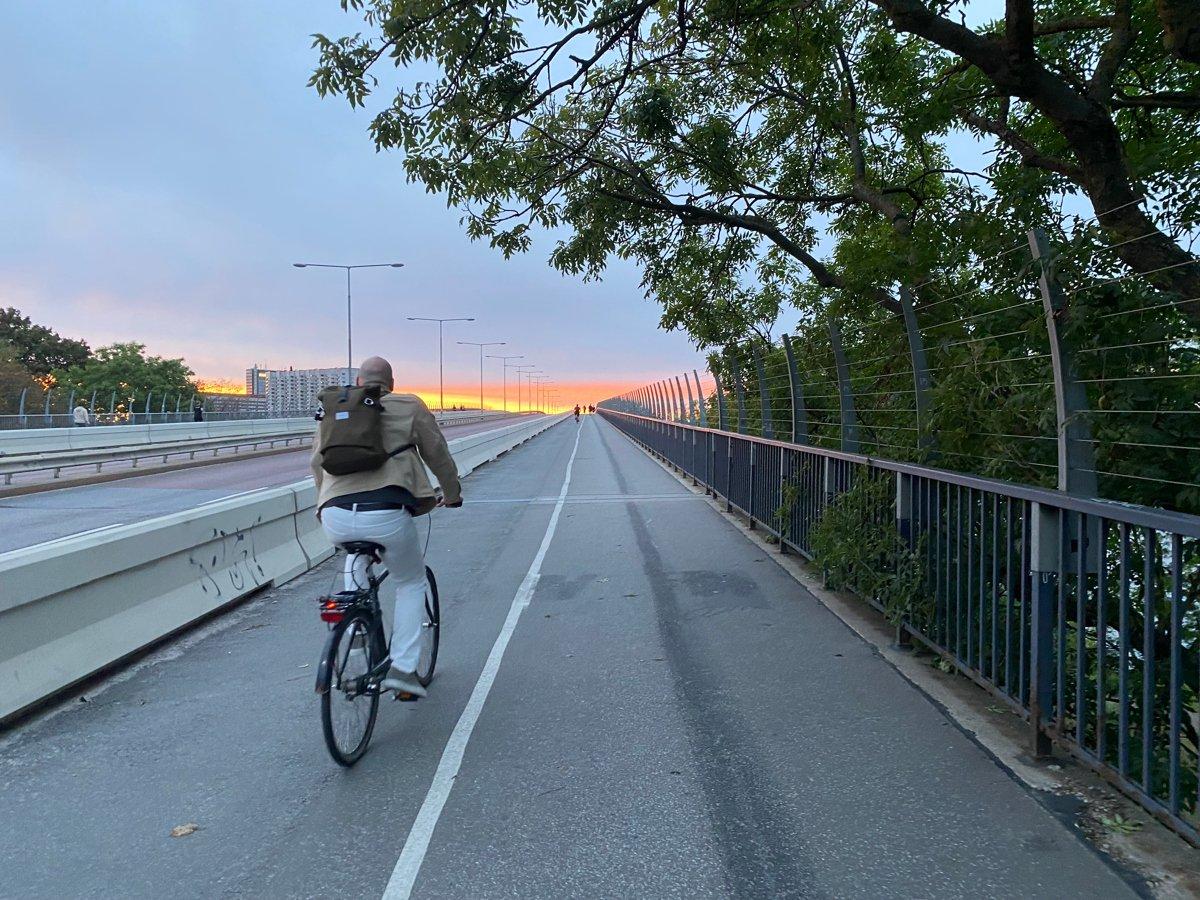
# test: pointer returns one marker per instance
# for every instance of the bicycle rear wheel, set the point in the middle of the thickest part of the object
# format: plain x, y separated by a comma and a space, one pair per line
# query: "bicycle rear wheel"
431, 630
349, 706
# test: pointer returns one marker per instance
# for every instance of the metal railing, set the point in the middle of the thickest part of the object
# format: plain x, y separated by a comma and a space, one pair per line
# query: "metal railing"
1081, 614
73, 459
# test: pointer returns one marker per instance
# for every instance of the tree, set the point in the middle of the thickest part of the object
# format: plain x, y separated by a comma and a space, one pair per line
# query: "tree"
1097, 101
630, 119
37, 348
126, 369
14, 378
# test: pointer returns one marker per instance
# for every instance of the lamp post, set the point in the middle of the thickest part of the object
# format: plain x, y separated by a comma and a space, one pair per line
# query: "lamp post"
481, 346
542, 381
531, 376
504, 377
349, 344
441, 370
520, 373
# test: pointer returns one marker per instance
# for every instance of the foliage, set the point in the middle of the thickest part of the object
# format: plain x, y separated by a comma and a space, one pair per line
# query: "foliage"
125, 368
14, 378
873, 560
37, 348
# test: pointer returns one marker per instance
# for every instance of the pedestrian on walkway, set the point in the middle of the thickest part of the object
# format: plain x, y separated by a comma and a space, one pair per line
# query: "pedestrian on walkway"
80, 416
197, 413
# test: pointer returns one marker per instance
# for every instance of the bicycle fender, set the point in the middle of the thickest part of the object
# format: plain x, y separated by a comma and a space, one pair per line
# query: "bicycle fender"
323, 673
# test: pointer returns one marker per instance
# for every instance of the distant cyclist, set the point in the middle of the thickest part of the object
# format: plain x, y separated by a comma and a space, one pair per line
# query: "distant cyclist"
375, 497
576, 412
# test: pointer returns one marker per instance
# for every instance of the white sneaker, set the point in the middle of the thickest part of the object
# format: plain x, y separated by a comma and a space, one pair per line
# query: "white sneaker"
403, 683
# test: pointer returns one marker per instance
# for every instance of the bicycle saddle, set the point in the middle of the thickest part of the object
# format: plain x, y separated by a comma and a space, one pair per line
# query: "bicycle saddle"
370, 548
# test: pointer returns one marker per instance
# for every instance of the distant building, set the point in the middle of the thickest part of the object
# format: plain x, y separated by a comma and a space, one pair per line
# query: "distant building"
291, 392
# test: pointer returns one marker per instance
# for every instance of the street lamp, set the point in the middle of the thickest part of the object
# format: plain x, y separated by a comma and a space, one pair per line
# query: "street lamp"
542, 381
520, 373
349, 347
481, 346
441, 371
505, 375
531, 376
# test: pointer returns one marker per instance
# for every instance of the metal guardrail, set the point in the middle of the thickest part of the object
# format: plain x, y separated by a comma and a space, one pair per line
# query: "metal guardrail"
56, 462
1081, 614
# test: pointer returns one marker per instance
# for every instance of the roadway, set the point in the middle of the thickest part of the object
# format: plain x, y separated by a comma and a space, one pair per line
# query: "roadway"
672, 716
29, 519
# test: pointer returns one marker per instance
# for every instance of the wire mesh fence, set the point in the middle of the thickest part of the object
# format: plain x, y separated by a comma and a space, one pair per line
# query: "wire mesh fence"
34, 408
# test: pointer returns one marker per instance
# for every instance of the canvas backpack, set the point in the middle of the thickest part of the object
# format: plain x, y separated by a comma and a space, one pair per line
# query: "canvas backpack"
351, 429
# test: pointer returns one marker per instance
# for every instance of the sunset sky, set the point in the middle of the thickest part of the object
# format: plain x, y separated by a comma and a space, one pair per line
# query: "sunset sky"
163, 164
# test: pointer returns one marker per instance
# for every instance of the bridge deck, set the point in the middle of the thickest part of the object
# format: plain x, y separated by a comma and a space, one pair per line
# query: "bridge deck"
674, 716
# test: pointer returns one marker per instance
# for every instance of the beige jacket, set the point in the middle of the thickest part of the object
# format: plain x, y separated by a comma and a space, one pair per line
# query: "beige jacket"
406, 420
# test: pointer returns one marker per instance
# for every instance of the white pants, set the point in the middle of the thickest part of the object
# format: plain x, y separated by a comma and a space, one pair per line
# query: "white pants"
395, 531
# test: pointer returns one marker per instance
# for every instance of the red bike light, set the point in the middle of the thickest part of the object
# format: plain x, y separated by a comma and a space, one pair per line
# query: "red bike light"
331, 615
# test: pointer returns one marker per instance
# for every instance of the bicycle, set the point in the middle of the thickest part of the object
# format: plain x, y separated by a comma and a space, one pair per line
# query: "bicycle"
356, 657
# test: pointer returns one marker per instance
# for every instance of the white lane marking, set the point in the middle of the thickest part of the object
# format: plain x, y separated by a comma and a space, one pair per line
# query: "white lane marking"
404, 875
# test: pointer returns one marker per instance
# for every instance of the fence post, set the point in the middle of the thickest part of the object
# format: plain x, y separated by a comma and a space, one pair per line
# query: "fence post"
92, 405
678, 391
691, 407
21, 406
71, 405
700, 400
664, 406
845, 392
739, 394
799, 409
722, 418
753, 473
148, 395
1043, 569
46, 410
921, 380
904, 512
1076, 455
112, 403
766, 420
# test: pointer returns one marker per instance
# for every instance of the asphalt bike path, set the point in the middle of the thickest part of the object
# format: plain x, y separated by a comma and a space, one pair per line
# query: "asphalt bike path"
672, 715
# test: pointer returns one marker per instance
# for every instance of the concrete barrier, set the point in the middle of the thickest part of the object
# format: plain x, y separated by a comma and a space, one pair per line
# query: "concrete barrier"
73, 607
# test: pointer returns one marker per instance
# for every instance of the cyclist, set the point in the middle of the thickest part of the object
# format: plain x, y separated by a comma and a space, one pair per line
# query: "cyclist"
379, 505
576, 412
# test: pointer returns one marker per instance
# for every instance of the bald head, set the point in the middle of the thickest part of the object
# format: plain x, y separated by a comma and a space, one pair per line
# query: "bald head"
376, 370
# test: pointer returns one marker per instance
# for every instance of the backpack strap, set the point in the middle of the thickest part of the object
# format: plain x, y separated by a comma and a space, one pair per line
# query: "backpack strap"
400, 450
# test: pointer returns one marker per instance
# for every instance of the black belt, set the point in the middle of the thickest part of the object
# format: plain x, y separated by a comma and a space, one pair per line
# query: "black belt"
366, 507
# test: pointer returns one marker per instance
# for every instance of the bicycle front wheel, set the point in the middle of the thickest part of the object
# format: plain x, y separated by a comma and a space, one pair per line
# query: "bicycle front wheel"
349, 706
431, 630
